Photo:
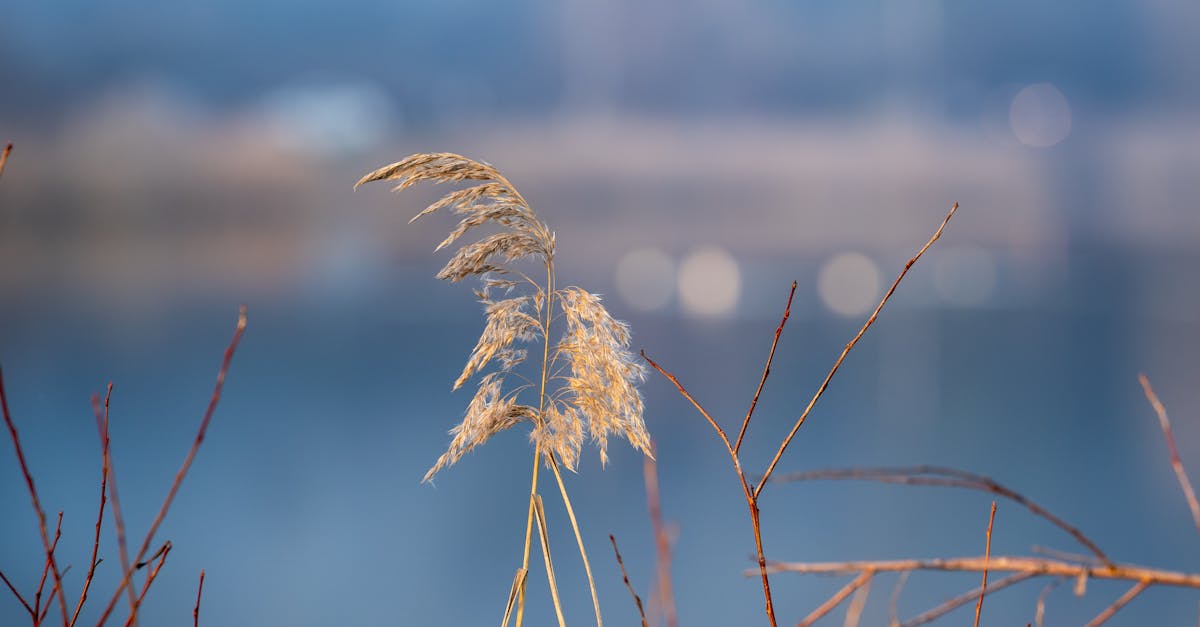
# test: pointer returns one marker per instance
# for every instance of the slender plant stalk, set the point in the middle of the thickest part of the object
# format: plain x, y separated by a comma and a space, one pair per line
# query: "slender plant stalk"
587, 567
542, 536
537, 462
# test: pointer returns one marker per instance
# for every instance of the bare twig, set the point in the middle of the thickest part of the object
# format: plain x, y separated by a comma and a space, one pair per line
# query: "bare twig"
1039, 615
102, 427
1176, 464
196, 610
940, 476
4, 157
970, 595
894, 600
20, 598
33, 496
46, 610
1038, 566
625, 577
161, 556
662, 542
1118, 604
832, 602
37, 596
987, 554
857, 603
747, 491
187, 462
846, 351
787, 312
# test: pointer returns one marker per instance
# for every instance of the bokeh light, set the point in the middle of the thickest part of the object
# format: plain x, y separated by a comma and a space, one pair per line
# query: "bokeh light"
848, 283
709, 282
1040, 116
645, 278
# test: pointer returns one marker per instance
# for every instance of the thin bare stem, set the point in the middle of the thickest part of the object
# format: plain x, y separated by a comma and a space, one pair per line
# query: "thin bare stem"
1111, 610
1039, 615
1037, 566
832, 602
37, 596
102, 427
845, 351
533, 482
1176, 464
161, 556
857, 603
965, 598
4, 157
749, 494
20, 598
787, 312
587, 567
987, 554
196, 610
939, 476
187, 462
46, 610
625, 577
662, 543
894, 600
33, 496
540, 511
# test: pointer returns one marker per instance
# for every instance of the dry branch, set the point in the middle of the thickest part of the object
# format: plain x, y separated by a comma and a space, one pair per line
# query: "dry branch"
37, 505
846, 351
832, 602
948, 606
1176, 464
196, 610
662, 542
625, 577
1116, 606
987, 554
4, 157
940, 476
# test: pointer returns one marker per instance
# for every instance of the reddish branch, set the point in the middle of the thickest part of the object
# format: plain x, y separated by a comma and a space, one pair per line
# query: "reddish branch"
4, 157
620, 562
846, 351
126, 580
102, 428
787, 312
1176, 464
661, 540
33, 496
161, 556
37, 596
200, 591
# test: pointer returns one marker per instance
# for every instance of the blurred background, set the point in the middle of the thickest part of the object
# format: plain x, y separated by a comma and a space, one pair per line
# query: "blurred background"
174, 160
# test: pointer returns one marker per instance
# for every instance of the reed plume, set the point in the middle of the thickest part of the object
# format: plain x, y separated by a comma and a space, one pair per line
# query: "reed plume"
585, 382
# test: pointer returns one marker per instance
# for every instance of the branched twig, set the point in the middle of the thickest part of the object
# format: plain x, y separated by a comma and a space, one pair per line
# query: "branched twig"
662, 542
987, 554
196, 610
846, 351
161, 556
33, 495
102, 427
37, 596
970, 595
787, 312
1176, 464
625, 576
747, 491
939, 476
1038, 566
1118, 604
832, 602
187, 462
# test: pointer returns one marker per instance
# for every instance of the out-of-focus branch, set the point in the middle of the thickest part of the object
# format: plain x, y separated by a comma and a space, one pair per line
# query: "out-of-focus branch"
1118, 604
832, 602
945, 608
1176, 464
662, 542
4, 157
939, 476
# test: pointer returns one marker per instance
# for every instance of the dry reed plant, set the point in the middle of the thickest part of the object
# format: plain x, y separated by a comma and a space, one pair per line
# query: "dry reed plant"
582, 384
38, 612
